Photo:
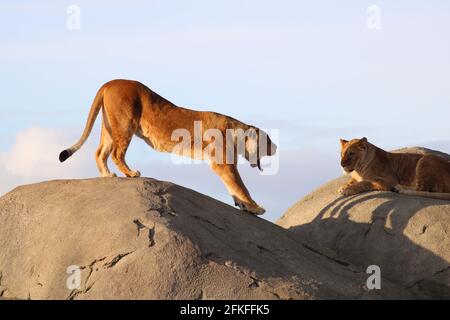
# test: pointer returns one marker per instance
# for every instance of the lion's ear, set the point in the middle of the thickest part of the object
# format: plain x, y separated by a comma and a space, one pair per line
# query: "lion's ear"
362, 145
343, 142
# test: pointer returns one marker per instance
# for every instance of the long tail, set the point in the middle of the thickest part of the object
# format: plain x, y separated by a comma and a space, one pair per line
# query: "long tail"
93, 113
425, 194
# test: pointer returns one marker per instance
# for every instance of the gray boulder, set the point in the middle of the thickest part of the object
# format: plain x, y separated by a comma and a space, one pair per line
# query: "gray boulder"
146, 239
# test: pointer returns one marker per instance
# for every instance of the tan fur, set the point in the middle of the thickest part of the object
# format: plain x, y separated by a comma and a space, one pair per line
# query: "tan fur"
372, 168
130, 108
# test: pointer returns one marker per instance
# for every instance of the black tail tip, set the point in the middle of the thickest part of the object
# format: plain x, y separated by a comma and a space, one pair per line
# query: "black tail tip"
64, 155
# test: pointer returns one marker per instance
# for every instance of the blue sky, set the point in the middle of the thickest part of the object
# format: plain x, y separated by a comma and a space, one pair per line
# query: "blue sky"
309, 68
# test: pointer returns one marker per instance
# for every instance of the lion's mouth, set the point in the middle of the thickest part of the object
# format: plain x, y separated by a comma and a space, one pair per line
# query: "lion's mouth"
257, 164
346, 170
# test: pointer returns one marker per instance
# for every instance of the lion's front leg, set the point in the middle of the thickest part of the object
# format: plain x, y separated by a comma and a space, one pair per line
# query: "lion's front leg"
230, 177
364, 186
347, 185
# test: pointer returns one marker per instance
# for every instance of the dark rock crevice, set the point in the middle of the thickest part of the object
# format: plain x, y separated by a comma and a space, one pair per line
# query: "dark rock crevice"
150, 231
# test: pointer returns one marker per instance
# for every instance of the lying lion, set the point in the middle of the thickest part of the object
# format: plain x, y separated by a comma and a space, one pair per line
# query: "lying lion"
130, 108
372, 169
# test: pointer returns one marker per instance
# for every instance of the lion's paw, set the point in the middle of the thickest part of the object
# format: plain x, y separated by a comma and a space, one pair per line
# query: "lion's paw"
341, 190
249, 207
256, 210
135, 174
346, 191
109, 175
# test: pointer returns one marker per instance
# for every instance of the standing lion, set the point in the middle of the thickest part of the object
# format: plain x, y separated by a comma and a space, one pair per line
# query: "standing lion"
130, 108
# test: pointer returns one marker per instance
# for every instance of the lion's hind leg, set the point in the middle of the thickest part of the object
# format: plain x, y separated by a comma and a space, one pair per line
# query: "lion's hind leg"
230, 177
121, 136
118, 155
103, 152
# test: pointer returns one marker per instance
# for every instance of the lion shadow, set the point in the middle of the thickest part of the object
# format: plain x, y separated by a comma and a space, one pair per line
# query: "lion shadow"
384, 240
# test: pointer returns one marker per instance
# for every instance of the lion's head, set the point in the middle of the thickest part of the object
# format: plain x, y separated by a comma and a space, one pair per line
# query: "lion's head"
353, 153
258, 145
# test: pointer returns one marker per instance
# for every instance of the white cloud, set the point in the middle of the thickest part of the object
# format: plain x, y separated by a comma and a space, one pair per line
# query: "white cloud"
34, 157
34, 153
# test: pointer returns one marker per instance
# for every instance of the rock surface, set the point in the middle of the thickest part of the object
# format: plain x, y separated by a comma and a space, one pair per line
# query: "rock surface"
407, 237
146, 239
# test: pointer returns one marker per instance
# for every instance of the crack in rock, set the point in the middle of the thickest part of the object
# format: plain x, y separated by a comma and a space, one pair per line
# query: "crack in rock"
116, 259
163, 207
2, 290
166, 209
418, 282
255, 283
276, 295
139, 226
260, 248
92, 267
76, 292
151, 231
441, 271
341, 262
424, 229
210, 223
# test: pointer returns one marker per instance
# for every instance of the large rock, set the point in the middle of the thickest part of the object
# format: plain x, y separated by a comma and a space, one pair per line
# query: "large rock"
407, 237
146, 239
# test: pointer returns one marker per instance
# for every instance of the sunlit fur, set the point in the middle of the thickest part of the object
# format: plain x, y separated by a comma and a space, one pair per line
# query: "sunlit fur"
373, 169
